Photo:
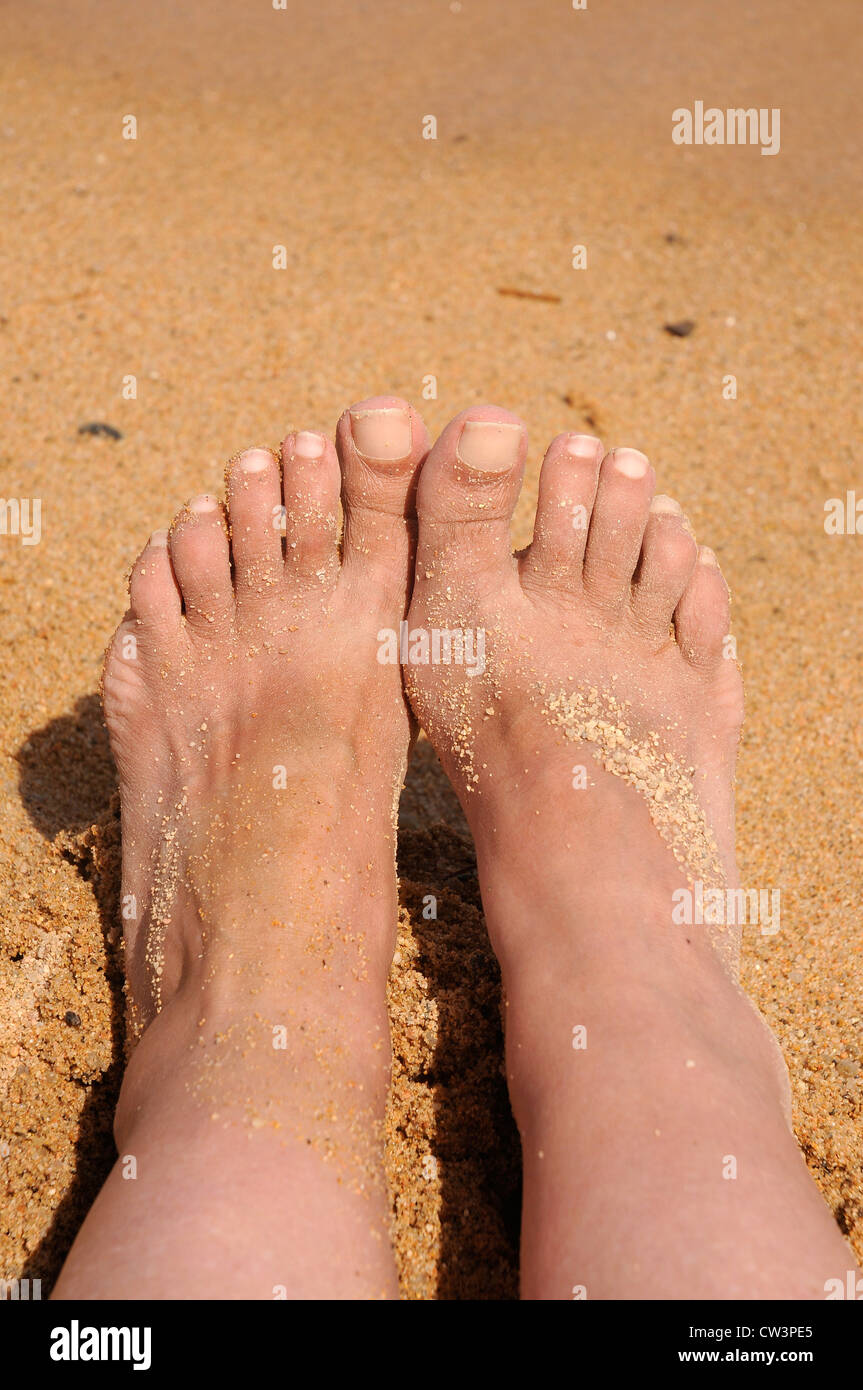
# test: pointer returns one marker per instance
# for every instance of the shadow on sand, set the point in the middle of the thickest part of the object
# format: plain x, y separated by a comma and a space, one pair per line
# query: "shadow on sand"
68, 785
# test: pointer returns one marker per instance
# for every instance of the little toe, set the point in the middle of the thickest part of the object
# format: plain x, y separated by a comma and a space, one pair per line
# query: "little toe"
146, 634
154, 598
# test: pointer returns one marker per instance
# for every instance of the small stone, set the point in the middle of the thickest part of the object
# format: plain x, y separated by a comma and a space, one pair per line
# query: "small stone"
73, 1019
98, 427
681, 329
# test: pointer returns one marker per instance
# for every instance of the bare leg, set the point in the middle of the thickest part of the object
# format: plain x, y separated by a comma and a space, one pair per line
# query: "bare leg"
261, 746
593, 751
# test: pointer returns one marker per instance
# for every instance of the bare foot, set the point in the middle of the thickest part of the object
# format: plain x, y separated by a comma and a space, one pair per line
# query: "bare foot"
261, 746
590, 729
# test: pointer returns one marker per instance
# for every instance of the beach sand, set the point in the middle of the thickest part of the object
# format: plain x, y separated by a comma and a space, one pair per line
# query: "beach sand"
153, 258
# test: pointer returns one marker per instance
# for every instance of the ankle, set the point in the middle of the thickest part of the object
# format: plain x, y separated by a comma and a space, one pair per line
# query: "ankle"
308, 1058
582, 909
607, 1031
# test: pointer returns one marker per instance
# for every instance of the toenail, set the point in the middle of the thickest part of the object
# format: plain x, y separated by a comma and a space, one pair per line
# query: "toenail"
255, 461
490, 445
159, 538
707, 556
203, 504
630, 463
582, 446
382, 436
666, 506
308, 445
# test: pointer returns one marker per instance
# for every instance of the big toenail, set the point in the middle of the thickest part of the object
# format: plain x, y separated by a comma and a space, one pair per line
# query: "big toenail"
666, 506
582, 446
382, 436
490, 445
255, 461
630, 463
203, 504
159, 538
707, 556
308, 445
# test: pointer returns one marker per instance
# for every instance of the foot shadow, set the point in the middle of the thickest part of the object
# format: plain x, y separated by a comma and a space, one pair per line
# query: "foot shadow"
66, 775
67, 783
459, 1206
454, 1157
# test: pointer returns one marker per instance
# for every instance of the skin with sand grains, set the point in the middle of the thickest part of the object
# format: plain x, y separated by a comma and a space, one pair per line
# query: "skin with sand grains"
261, 745
607, 641
258, 809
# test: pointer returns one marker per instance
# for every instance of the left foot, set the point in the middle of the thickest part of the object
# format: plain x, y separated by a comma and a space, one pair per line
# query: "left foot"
260, 746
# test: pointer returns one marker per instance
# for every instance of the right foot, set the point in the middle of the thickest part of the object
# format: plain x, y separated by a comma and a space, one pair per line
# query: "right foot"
594, 758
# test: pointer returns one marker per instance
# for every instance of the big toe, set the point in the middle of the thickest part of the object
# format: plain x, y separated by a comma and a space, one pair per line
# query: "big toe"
381, 443
467, 492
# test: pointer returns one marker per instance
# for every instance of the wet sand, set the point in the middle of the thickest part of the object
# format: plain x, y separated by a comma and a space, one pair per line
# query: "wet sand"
408, 259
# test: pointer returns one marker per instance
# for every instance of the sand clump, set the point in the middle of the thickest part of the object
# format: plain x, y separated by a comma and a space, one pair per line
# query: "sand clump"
165, 884
599, 719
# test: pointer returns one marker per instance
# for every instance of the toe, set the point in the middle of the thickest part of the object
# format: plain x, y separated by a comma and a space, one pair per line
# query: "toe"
668, 555
381, 443
147, 632
567, 487
254, 488
311, 483
703, 617
200, 556
626, 483
467, 492
154, 598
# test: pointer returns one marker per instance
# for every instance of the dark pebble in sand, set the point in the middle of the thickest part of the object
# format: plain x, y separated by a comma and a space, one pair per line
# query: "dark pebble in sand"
73, 1019
97, 427
681, 329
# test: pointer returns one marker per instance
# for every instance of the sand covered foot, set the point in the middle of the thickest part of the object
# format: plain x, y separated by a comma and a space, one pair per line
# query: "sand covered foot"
585, 701
598, 676
260, 746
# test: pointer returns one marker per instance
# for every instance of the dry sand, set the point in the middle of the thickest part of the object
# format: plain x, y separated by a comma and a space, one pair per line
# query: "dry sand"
153, 258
